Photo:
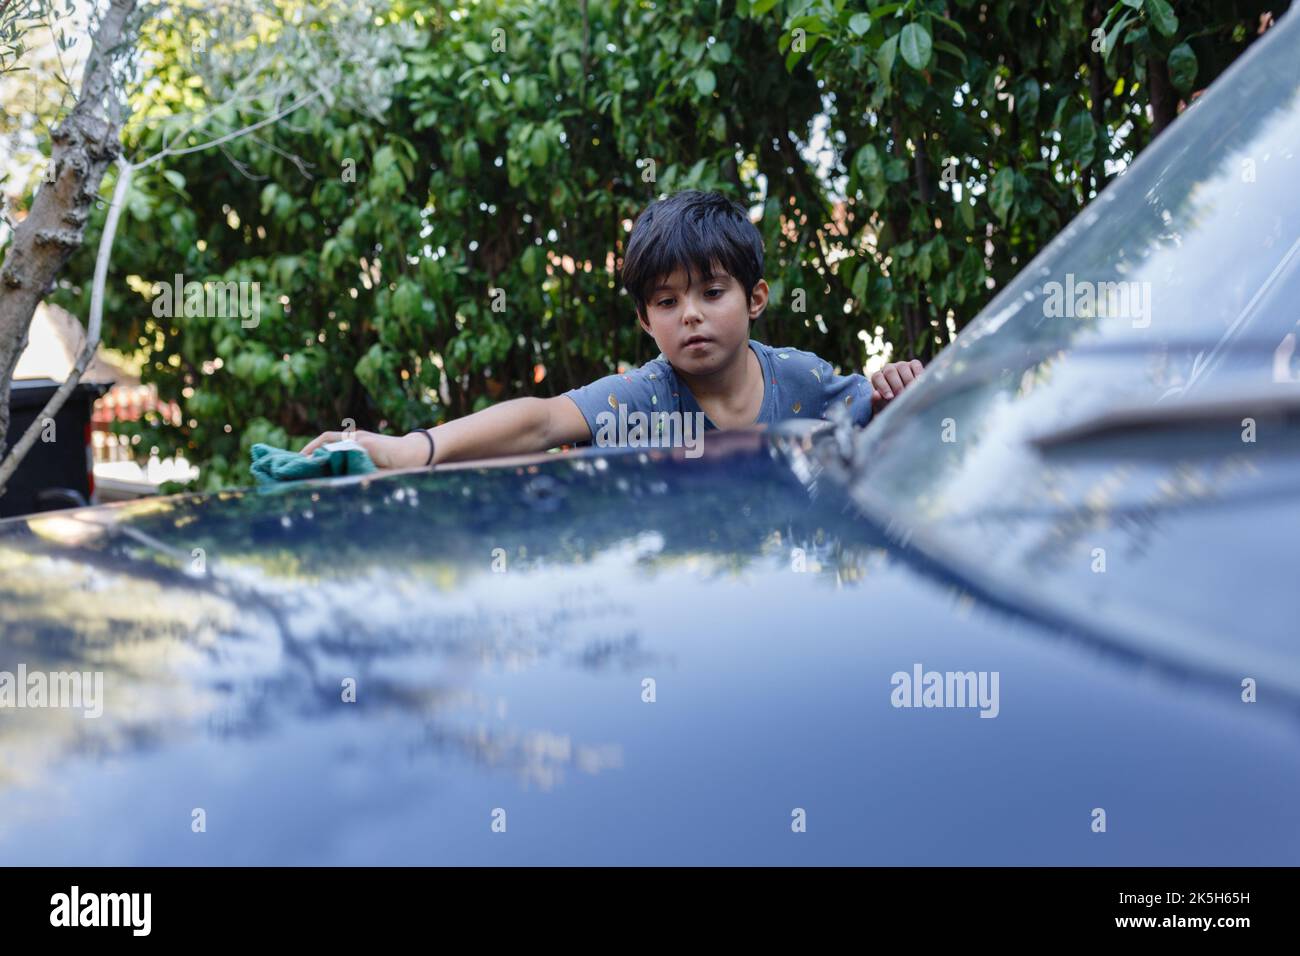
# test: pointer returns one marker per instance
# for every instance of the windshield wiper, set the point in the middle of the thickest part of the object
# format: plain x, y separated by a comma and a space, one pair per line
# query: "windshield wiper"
1229, 409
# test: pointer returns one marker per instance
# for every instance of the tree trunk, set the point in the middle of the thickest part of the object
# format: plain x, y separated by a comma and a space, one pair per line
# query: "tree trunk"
83, 146
1097, 93
1160, 94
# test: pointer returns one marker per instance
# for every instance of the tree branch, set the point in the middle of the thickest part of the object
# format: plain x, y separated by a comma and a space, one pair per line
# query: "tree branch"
234, 134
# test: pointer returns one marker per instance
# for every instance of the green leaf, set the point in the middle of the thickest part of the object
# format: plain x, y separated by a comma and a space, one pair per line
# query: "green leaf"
470, 157
810, 45
971, 271
922, 263
967, 213
537, 148
885, 57
532, 260
720, 53
1162, 16
915, 45
177, 180
939, 252
860, 23
1182, 68
1079, 139
475, 52
950, 49
867, 163
861, 278
705, 81
1112, 38
1002, 192
761, 7
876, 193
1027, 100
406, 300
952, 25
1062, 105
811, 25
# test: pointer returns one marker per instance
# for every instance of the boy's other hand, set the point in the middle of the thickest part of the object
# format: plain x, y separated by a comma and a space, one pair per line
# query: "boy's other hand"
386, 451
887, 383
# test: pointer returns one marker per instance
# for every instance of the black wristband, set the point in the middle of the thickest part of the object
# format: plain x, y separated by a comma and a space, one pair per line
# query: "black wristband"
426, 434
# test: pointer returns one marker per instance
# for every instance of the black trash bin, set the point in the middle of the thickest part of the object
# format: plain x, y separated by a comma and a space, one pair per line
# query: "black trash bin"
54, 474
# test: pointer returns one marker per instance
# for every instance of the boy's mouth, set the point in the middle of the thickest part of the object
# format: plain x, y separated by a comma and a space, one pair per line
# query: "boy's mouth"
697, 341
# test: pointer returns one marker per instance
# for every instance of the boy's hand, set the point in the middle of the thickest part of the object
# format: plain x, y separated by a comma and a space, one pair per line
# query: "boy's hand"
386, 451
892, 379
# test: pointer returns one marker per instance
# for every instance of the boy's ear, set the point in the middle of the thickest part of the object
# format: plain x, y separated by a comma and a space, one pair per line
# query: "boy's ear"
641, 321
758, 299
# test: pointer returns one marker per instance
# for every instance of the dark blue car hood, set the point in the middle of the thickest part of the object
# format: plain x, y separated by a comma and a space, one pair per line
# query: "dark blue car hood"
501, 623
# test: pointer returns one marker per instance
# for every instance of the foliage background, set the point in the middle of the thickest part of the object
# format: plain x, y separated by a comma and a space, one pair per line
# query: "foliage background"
904, 160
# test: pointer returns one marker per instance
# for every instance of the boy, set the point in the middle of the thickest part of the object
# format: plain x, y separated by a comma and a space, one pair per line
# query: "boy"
694, 269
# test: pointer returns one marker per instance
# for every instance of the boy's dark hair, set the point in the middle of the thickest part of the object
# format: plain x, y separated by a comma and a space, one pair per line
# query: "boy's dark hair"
695, 231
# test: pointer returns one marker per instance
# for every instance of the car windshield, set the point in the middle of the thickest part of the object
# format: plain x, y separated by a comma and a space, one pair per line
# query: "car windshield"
1181, 281
1089, 444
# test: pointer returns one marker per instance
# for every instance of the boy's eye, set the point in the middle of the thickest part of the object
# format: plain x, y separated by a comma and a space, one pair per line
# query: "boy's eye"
669, 301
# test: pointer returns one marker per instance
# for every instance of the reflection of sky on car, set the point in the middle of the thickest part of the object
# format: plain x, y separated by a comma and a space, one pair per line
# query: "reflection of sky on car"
772, 693
1234, 240
1217, 247
998, 467
1185, 219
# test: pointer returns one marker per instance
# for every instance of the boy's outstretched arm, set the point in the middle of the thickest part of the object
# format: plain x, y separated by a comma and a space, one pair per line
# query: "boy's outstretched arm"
516, 427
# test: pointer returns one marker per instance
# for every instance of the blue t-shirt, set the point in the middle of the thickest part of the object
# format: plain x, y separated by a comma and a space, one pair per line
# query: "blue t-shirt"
796, 384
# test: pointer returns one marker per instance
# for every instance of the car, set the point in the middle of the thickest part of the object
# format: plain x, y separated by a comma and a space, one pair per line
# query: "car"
1041, 612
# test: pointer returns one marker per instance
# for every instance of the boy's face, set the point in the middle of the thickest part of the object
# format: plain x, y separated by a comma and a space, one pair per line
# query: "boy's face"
701, 329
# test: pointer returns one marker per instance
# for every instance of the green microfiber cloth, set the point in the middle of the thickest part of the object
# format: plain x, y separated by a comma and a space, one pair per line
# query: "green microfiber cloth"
272, 465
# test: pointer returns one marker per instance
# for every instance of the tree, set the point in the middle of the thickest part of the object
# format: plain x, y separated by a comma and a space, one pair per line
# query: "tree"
298, 54
83, 146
